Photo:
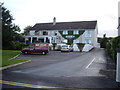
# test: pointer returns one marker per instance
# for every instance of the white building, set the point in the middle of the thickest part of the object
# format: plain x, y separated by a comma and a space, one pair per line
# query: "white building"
64, 32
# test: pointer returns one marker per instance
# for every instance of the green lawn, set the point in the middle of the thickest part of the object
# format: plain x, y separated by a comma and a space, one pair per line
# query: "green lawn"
6, 55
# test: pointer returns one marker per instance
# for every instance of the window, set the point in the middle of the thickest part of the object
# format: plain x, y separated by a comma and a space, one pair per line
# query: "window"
76, 41
76, 32
88, 41
45, 33
36, 32
55, 33
65, 32
88, 33
31, 47
65, 41
32, 32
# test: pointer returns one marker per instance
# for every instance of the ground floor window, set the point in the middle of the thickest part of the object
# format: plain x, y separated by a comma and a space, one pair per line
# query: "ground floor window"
65, 41
76, 41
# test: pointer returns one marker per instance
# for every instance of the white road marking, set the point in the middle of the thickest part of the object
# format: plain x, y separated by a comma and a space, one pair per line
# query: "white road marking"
90, 63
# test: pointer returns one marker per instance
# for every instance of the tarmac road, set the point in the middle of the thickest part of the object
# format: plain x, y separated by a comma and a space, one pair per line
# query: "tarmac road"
68, 70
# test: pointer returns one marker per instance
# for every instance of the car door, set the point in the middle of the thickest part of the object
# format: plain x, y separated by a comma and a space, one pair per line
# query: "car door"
31, 49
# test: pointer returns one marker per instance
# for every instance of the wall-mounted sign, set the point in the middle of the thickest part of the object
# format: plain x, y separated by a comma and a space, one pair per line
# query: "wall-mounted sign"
70, 36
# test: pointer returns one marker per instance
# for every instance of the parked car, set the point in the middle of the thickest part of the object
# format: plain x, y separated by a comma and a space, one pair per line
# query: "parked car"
58, 47
68, 48
36, 48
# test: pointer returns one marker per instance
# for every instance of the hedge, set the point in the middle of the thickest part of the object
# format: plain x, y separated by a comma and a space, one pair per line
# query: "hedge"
112, 46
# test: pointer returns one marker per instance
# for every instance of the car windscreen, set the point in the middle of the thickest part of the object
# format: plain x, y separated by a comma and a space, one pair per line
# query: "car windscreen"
31, 46
64, 46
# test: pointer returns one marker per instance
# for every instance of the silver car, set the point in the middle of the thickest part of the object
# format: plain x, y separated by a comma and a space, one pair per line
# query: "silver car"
67, 48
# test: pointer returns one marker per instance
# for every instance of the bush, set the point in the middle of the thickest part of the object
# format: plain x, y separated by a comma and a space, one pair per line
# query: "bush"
103, 42
111, 47
54, 45
16, 45
108, 48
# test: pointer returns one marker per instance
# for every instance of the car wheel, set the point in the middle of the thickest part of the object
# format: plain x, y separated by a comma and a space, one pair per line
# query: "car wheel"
44, 53
25, 52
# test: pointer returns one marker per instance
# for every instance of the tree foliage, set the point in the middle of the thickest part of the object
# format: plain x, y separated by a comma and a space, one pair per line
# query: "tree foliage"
112, 47
9, 30
26, 29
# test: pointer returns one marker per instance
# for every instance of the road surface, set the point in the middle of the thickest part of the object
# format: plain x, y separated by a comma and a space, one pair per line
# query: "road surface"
67, 70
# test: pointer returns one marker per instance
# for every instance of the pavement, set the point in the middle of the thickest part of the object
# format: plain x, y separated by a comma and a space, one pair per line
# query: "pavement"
67, 70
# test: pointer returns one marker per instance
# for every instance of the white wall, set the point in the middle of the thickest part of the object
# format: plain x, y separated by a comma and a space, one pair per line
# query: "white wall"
95, 36
84, 37
81, 39
87, 47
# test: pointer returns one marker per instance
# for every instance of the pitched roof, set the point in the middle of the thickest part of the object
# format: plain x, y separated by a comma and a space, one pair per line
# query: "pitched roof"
65, 25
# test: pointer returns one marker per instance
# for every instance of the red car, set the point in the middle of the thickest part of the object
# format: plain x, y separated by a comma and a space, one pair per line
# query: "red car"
36, 48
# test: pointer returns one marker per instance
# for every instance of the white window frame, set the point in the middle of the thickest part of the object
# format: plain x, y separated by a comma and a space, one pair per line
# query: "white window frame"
76, 32
65, 32
76, 41
65, 40
32, 32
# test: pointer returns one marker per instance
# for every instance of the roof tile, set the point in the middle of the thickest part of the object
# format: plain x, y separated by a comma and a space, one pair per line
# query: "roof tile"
65, 25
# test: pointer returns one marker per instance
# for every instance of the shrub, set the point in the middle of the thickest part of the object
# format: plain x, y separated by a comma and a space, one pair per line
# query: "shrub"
54, 45
16, 45
108, 48
111, 47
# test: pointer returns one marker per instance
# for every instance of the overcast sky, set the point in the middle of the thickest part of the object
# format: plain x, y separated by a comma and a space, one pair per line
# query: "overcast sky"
30, 12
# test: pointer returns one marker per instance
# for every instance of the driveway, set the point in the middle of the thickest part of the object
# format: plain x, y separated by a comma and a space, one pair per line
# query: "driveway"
50, 58
69, 70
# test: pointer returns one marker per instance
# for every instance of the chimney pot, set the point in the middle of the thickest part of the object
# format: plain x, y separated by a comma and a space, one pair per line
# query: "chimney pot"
54, 21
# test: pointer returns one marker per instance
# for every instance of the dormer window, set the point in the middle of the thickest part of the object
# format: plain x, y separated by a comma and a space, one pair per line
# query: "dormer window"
65, 32
76, 32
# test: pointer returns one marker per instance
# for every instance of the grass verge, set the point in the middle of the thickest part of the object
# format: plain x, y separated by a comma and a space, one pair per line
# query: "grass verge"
6, 55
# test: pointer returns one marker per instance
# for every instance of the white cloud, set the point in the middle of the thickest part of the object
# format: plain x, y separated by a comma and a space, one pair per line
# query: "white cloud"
29, 12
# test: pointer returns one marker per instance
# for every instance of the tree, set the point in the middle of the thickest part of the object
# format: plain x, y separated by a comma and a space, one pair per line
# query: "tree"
112, 47
26, 29
103, 41
9, 30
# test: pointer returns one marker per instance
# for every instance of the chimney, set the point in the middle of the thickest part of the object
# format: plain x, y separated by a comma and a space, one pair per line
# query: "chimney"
54, 21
